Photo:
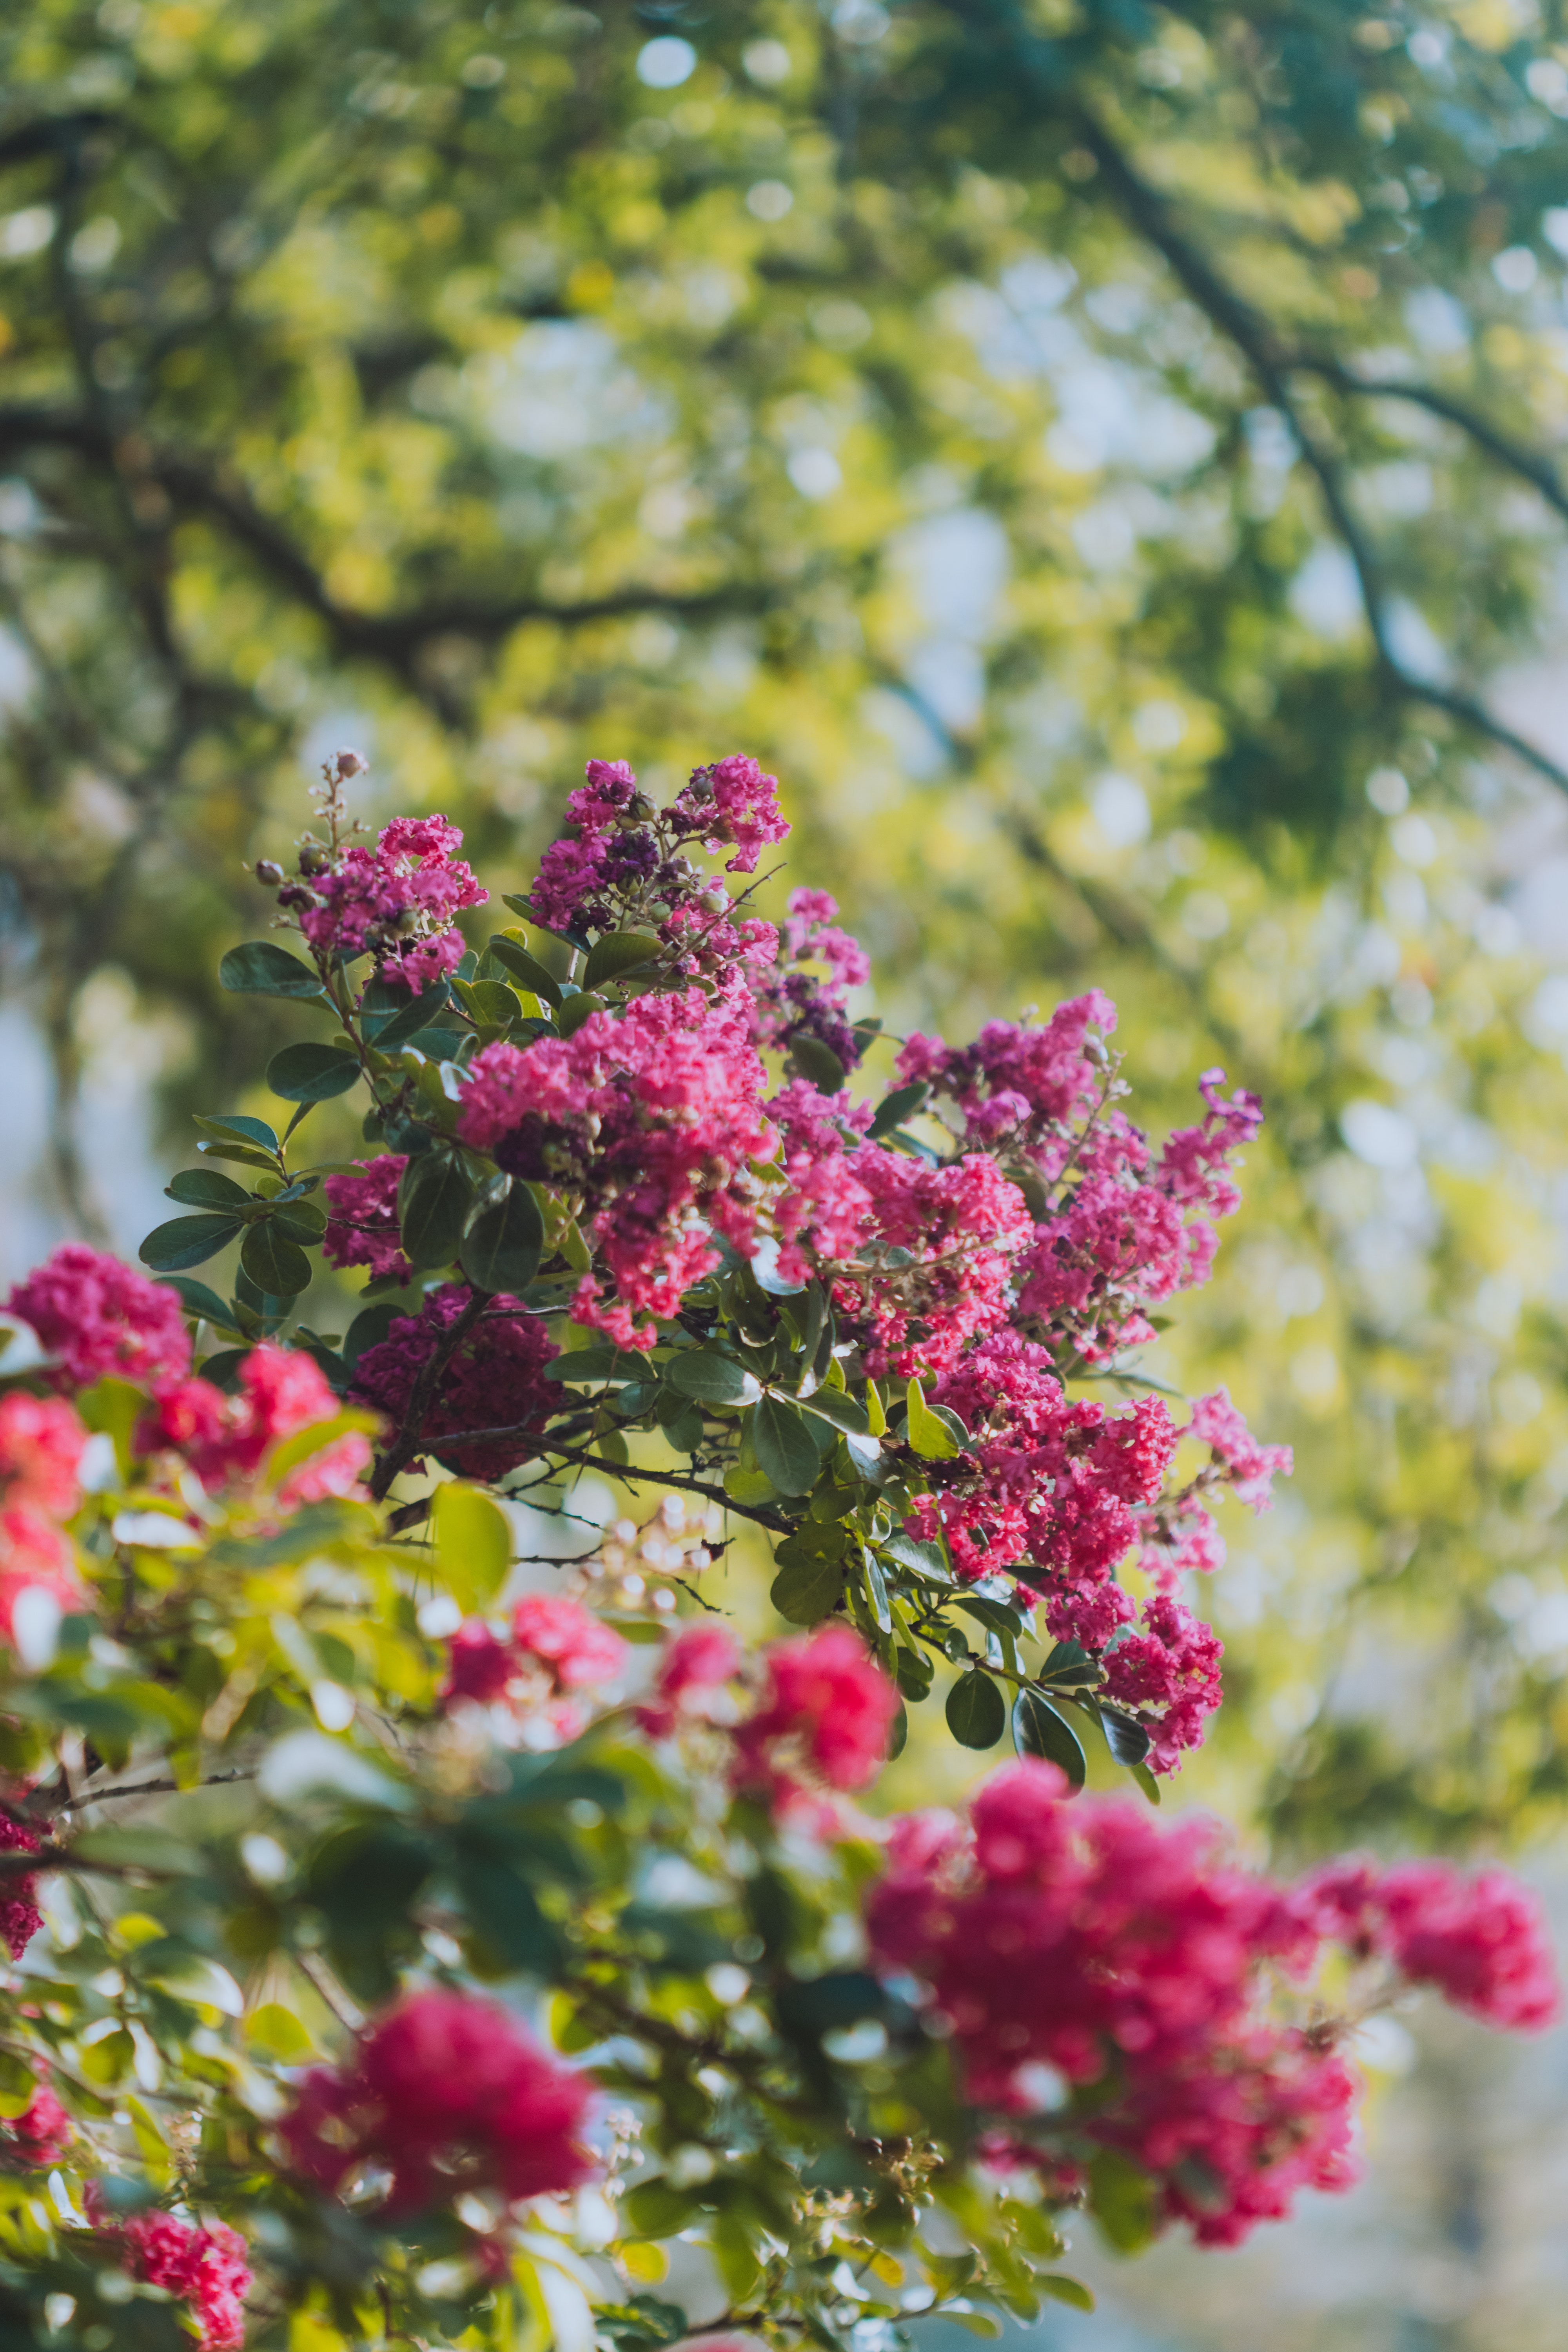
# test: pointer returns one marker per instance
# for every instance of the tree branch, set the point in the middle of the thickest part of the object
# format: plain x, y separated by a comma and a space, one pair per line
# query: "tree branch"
583, 1460
391, 637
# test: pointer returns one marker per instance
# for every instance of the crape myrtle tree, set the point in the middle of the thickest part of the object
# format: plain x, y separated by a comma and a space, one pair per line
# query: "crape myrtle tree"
396, 1955
1143, 415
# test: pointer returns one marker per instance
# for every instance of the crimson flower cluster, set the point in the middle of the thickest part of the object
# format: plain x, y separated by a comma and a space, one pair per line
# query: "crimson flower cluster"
650, 1119
494, 1379
227, 1437
622, 856
41, 1443
202, 2266
1106, 1984
554, 1651
397, 901
443, 2093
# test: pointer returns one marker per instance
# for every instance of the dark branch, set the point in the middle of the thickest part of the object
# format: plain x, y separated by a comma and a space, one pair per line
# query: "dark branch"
195, 490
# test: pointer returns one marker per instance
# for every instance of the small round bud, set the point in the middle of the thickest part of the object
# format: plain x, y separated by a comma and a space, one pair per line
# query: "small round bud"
349, 763
716, 900
296, 898
314, 859
268, 871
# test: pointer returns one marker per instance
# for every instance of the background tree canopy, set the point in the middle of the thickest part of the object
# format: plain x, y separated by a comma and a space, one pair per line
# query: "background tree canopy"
1099, 454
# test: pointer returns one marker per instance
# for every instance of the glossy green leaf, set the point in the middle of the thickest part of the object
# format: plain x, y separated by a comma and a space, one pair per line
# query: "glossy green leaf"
807, 1590
504, 1242
894, 1108
713, 1379
930, 1437
237, 1126
434, 1201
524, 967
274, 1263
783, 1445
1126, 1739
312, 1073
977, 1711
415, 1014
816, 1062
207, 1188
1039, 1730
186, 1240
576, 1010
197, 1299
617, 954
261, 968
473, 1545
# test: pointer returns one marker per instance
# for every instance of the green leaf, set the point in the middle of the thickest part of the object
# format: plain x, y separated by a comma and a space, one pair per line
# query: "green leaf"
784, 1450
1062, 2289
139, 1849
414, 1016
1126, 1739
490, 1001
894, 1108
831, 1404
807, 1590
504, 1242
925, 1559
1039, 1730
1147, 1783
312, 1073
207, 1188
434, 1200
932, 1440
704, 1373
273, 1262
186, 1240
577, 1009
473, 1545
261, 968
816, 1062
237, 1126
657, 2209
527, 968
1069, 1666
616, 953
370, 1326
197, 1299
976, 1710
1122, 2200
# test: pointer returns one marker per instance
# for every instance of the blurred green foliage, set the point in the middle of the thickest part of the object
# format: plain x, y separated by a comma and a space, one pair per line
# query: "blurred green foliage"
1097, 453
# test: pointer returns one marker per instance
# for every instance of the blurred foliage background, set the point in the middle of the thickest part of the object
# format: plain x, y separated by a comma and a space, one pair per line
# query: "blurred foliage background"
1101, 454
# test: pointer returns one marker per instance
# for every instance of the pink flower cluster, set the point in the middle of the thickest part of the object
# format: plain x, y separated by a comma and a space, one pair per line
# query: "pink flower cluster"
646, 1118
1048, 1482
1119, 1230
204, 2265
40, 2135
41, 1442
1081, 1947
445, 2094
828, 1708
494, 1380
920, 1256
223, 1438
20, 1918
1250, 1469
556, 1650
1083, 1940
697, 1665
96, 1316
1481, 1940
363, 1229
399, 901
624, 858
792, 1001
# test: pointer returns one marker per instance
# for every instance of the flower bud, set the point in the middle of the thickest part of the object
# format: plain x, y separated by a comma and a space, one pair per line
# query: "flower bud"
348, 764
267, 870
314, 859
296, 898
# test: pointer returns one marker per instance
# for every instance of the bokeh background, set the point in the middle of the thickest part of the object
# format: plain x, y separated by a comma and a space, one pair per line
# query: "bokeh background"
1104, 457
